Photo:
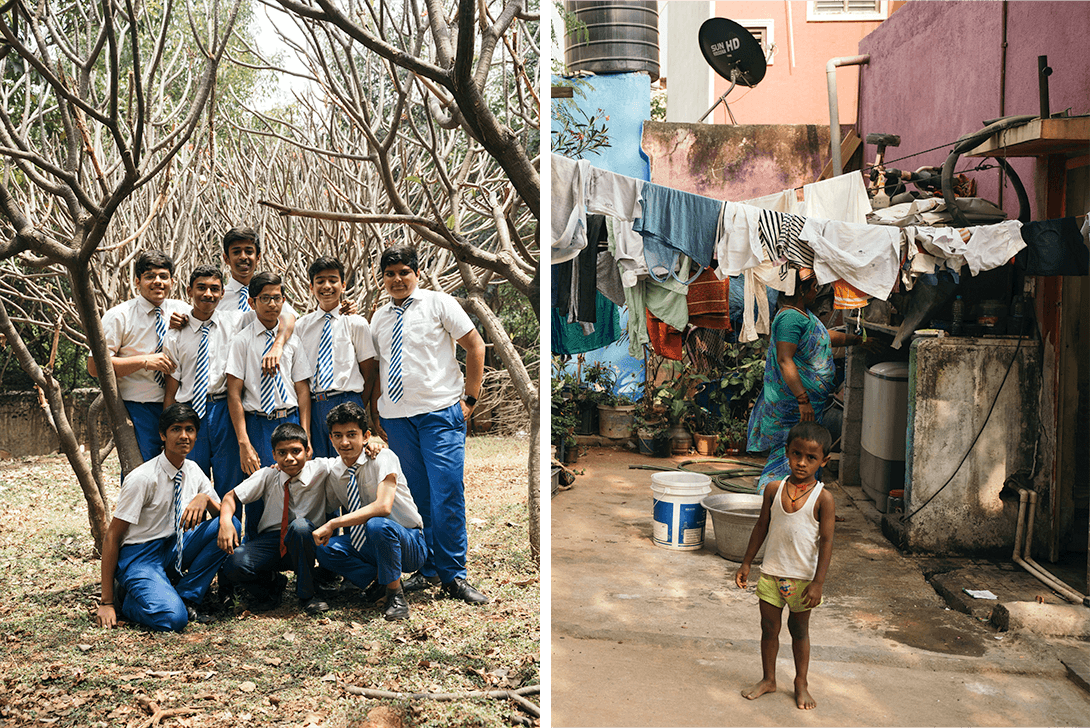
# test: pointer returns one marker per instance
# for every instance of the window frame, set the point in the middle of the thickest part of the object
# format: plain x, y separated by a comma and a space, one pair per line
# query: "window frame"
813, 16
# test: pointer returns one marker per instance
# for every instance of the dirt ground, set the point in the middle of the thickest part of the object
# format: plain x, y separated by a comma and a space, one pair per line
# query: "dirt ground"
643, 635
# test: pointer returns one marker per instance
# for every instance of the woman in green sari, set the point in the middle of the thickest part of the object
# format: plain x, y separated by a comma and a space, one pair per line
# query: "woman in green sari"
799, 376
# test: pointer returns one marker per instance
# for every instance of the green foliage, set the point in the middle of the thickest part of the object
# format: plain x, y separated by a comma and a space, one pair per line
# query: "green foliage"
565, 405
658, 104
519, 320
579, 134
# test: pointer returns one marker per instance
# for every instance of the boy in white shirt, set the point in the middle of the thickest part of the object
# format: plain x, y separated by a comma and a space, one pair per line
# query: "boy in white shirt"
135, 331
258, 401
161, 503
335, 345
294, 500
383, 532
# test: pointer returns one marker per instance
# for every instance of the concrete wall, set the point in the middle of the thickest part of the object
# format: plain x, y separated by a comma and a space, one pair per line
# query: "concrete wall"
625, 98
25, 431
689, 93
734, 162
936, 72
952, 385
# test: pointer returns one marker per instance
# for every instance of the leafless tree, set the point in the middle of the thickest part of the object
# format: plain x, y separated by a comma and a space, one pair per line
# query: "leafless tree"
427, 129
96, 102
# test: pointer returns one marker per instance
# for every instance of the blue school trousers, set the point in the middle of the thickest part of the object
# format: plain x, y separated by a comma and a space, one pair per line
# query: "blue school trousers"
432, 450
216, 449
259, 429
388, 550
320, 405
151, 591
145, 420
254, 561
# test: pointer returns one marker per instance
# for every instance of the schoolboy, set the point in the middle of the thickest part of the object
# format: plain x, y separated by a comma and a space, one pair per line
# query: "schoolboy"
798, 516
158, 547
383, 532
335, 345
135, 331
424, 404
293, 494
260, 401
199, 348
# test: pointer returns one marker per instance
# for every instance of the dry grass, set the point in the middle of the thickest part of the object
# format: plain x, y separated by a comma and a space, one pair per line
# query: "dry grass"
280, 668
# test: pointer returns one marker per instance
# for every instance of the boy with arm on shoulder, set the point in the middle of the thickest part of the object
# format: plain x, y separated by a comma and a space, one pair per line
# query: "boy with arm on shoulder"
798, 517
335, 344
383, 532
294, 501
158, 547
135, 332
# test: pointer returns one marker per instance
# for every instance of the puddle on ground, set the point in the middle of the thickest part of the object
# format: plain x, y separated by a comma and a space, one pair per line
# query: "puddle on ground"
933, 630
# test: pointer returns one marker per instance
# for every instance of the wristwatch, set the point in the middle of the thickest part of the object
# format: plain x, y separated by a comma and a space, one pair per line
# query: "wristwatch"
470, 400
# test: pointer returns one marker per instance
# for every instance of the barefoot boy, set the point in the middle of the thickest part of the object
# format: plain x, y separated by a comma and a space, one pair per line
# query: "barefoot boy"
797, 516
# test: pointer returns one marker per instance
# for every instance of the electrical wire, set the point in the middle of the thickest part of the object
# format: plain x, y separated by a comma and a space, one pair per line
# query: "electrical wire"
978, 434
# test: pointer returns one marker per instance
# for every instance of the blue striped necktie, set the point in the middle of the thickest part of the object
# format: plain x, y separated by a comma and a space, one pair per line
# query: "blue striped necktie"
324, 375
200, 384
359, 531
160, 334
397, 388
243, 295
268, 383
178, 509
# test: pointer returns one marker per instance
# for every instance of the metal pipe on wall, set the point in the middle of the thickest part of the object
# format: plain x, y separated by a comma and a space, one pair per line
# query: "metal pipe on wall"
834, 109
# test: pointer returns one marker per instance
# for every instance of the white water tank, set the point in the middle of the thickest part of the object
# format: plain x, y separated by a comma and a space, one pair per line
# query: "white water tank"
885, 423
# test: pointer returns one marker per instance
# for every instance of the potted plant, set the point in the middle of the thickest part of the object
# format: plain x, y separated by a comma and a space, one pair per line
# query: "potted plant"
651, 424
616, 412
564, 413
733, 432
703, 425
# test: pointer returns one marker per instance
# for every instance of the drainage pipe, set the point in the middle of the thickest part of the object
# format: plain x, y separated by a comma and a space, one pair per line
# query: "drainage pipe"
1026, 561
834, 109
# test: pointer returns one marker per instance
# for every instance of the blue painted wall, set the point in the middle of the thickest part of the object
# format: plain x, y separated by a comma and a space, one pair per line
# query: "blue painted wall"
626, 99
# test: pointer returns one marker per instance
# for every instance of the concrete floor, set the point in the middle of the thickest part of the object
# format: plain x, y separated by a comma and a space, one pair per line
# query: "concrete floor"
643, 635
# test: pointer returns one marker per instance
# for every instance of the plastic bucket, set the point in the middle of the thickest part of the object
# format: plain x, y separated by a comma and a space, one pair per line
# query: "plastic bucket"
733, 516
679, 517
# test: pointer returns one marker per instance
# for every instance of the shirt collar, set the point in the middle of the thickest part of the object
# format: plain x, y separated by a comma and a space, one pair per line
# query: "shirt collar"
166, 466
195, 323
147, 306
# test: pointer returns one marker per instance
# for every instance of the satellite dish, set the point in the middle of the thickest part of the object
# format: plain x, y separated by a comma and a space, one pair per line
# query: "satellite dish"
732, 51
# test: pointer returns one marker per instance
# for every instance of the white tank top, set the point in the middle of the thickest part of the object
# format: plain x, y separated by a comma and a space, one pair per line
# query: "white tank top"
791, 549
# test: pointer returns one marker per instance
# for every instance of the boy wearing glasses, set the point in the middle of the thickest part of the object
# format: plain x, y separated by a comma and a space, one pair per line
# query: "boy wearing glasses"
258, 400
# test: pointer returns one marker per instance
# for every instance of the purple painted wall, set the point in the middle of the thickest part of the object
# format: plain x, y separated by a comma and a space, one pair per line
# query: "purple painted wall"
935, 74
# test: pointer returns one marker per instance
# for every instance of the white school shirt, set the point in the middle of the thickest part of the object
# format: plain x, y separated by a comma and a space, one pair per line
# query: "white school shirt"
351, 345
182, 344
130, 331
430, 373
146, 500
232, 291
244, 362
368, 476
307, 498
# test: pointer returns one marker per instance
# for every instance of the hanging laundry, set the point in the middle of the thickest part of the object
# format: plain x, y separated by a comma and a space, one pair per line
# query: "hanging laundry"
569, 210
668, 301
709, 302
615, 195
991, 246
738, 240
627, 247
867, 256
754, 296
842, 198
847, 297
1054, 248
584, 282
609, 278
665, 339
568, 338
786, 201
676, 224
780, 238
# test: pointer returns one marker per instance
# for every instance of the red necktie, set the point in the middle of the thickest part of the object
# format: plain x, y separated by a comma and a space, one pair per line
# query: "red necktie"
284, 519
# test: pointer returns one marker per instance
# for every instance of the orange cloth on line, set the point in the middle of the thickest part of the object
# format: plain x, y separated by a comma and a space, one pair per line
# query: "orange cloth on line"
709, 301
664, 338
848, 297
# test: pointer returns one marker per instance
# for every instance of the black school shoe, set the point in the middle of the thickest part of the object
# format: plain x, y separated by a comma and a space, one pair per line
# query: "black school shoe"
195, 615
459, 588
272, 599
314, 606
418, 582
373, 593
397, 607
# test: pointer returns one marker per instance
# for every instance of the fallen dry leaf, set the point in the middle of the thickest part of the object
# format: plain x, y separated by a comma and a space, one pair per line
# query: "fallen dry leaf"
247, 687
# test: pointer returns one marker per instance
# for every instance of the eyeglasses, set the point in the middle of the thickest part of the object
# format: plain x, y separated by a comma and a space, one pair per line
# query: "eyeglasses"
270, 299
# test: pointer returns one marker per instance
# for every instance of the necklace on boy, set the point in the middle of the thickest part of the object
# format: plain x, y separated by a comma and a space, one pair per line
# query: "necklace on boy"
800, 494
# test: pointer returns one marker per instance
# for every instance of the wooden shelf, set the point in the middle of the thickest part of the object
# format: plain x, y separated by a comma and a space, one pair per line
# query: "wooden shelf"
1038, 138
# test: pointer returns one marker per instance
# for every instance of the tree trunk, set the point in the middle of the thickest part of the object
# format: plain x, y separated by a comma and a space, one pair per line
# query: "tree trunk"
97, 510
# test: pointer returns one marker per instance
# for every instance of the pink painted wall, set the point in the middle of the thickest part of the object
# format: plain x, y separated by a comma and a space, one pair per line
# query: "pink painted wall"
794, 95
935, 74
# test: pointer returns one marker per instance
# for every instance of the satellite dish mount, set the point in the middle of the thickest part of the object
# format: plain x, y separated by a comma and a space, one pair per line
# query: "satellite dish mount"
734, 54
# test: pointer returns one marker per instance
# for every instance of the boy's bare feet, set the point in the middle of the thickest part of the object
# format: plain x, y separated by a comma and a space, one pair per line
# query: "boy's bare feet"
765, 686
803, 699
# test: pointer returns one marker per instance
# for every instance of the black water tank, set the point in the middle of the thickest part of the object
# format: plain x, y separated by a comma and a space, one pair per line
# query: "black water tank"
618, 37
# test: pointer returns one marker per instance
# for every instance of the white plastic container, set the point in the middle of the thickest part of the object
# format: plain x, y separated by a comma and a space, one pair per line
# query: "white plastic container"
733, 516
885, 424
679, 517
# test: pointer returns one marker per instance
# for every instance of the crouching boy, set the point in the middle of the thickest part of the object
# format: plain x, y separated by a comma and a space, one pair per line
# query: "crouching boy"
384, 533
159, 548
293, 495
